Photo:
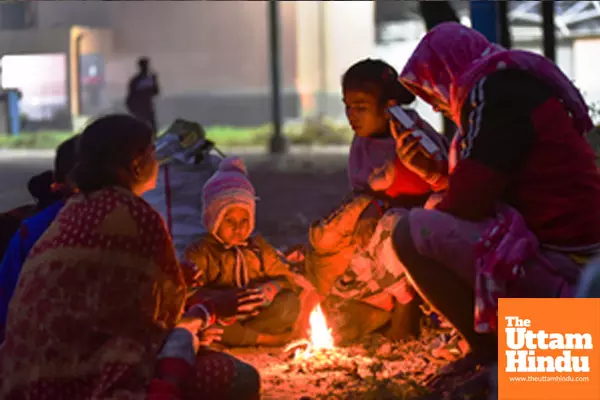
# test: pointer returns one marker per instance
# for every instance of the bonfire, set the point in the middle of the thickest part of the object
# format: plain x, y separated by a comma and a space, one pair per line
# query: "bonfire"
320, 336
316, 368
318, 352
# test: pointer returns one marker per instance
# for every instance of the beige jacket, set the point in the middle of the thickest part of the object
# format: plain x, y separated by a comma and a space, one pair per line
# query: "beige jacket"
208, 263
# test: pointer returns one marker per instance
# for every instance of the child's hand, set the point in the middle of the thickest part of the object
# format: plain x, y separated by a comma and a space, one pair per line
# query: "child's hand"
249, 302
383, 177
268, 292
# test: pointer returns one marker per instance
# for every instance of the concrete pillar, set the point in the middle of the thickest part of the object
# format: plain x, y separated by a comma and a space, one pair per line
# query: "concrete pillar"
83, 41
330, 36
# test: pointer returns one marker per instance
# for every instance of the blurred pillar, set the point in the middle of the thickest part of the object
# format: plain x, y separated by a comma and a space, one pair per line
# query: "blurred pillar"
322, 44
326, 47
308, 59
484, 18
437, 12
278, 143
548, 29
78, 53
504, 25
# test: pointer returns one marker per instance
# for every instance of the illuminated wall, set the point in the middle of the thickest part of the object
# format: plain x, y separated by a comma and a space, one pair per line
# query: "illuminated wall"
213, 57
331, 35
41, 79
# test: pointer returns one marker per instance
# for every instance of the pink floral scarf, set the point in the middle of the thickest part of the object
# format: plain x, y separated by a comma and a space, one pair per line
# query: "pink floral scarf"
501, 253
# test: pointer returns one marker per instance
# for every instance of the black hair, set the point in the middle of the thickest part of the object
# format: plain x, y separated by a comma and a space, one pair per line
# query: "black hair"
66, 159
378, 78
143, 63
108, 145
39, 186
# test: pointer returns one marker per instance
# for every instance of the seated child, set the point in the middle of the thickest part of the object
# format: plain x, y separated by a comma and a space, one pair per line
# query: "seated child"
230, 257
379, 181
369, 88
377, 177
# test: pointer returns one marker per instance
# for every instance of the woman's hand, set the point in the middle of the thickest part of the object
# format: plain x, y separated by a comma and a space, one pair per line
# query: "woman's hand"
224, 306
209, 335
411, 153
196, 318
232, 303
433, 201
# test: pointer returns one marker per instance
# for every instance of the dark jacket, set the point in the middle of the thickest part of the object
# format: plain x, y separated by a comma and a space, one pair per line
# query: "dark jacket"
518, 145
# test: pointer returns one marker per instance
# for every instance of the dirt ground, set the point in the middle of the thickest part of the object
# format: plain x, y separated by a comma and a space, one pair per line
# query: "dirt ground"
374, 369
293, 192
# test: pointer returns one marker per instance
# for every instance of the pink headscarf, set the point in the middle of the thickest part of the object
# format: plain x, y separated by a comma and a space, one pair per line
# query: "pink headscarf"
452, 58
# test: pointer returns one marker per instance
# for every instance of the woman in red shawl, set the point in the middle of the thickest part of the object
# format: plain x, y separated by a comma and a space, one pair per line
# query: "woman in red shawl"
519, 213
97, 312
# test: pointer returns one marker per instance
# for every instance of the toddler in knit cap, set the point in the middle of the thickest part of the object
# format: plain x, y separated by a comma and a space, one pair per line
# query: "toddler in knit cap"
230, 256
229, 203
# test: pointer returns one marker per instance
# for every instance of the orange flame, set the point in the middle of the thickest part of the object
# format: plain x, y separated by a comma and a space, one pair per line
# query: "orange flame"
320, 336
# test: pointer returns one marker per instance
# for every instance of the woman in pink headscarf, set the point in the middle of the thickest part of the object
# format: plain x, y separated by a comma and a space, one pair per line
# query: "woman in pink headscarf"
519, 213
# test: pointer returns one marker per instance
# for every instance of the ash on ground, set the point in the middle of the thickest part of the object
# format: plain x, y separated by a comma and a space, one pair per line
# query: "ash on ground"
372, 369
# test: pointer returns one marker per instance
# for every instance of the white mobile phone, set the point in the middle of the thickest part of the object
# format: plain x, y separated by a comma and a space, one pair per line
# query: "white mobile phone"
407, 122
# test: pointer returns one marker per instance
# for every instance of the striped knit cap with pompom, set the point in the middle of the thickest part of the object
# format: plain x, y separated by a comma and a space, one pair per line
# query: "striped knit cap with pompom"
228, 187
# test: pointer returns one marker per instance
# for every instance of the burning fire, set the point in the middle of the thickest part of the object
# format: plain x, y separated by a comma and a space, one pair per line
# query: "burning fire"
320, 336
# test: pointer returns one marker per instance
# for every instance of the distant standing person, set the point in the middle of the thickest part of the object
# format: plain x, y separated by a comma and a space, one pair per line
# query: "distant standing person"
142, 89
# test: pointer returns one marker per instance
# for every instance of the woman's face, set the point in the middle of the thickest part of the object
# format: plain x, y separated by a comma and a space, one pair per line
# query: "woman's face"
147, 166
234, 229
430, 97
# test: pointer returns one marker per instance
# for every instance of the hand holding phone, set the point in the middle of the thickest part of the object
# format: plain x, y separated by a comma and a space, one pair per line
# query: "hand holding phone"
410, 128
419, 155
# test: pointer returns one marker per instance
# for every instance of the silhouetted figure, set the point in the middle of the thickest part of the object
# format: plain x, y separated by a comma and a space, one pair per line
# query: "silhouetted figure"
142, 89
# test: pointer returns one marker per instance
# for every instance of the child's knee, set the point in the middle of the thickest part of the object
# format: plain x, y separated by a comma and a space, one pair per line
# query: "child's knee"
287, 306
